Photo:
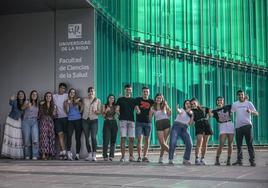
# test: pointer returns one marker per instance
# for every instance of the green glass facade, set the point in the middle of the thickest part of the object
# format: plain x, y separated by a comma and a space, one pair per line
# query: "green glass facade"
184, 49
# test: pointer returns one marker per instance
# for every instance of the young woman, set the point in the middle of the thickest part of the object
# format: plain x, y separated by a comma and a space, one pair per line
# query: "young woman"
180, 129
161, 112
91, 110
30, 127
202, 130
12, 143
73, 109
47, 112
222, 114
109, 127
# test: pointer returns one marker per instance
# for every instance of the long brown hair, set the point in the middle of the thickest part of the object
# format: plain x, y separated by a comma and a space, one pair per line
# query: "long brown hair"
31, 99
49, 109
163, 104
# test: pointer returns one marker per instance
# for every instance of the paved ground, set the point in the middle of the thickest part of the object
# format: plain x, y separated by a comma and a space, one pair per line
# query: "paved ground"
102, 174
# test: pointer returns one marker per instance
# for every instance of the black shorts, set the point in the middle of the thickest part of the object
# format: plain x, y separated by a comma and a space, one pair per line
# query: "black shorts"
61, 125
203, 127
162, 124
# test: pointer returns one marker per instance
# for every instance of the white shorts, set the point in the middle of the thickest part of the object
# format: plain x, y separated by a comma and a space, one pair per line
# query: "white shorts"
226, 128
127, 128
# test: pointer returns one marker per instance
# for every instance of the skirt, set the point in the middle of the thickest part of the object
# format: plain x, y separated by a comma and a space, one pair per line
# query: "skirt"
47, 136
226, 128
12, 142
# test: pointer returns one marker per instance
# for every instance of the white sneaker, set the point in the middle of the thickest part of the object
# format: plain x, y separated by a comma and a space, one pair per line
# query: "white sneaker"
202, 162
89, 158
160, 160
77, 157
61, 155
65, 157
27, 158
186, 162
122, 159
34, 158
197, 161
69, 155
94, 156
171, 162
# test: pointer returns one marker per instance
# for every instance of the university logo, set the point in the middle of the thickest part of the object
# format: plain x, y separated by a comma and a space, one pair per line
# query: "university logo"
74, 31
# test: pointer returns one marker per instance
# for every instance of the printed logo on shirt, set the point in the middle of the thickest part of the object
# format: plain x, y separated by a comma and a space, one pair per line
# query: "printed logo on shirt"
145, 105
223, 116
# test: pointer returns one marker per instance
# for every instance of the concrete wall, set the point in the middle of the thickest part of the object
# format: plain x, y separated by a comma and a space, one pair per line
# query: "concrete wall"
27, 55
28, 48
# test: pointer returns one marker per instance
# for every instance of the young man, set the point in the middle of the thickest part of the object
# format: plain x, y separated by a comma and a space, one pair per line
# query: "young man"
61, 119
143, 123
125, 107
243, 109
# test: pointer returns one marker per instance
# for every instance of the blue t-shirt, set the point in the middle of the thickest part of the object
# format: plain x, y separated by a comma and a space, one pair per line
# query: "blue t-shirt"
74, 113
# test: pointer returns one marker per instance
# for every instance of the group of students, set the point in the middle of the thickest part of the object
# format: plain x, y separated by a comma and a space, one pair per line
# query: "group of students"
31, 125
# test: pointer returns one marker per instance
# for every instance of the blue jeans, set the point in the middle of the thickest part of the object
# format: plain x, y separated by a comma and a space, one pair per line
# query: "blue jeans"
180, 130
30, 137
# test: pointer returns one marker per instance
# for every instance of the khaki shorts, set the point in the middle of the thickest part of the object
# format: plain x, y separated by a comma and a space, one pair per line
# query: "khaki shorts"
127, 128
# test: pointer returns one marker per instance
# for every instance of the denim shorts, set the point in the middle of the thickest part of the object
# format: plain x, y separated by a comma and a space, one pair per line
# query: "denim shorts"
127, 128
143, 129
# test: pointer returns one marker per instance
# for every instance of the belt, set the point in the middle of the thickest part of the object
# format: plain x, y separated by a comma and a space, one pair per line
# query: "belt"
225, 121
203, 119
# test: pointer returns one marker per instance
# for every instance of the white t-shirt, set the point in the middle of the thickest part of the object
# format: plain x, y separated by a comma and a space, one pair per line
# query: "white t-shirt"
160, 114
59, 100
183, 117
242, 116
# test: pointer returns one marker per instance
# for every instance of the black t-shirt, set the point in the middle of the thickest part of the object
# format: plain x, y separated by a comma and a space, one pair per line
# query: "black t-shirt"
144, 106
200, 113
127, 106
222, 114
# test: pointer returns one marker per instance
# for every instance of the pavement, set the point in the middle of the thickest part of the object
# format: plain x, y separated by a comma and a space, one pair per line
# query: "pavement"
104, 174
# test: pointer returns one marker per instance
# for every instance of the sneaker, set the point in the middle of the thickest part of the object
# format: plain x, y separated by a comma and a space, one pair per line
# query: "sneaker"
27, 158
197, 161
76, 157
131, 159
228, 163
105, 159
94, 156
202, 162
69, 155
145, 159
122, 159
89, 158
111, 158
65, 157
139, 159
186, 162
252, 163
217, 162
160, 160
171, 162
34, 158
61, 155
237, 163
